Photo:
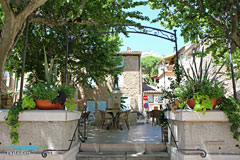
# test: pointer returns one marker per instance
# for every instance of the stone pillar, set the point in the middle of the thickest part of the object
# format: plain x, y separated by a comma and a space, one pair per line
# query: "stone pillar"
210, 132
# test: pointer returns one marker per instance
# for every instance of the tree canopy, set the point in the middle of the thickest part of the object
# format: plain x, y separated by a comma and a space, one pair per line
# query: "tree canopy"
149, 67
206, 21
62, 13
201, 19
89, 58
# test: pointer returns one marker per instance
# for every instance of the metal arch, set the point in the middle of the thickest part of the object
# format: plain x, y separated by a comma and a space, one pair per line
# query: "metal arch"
121, 28
118, 28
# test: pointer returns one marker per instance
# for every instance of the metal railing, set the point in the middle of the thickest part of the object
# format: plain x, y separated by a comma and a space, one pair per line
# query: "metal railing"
201, 152
82, 137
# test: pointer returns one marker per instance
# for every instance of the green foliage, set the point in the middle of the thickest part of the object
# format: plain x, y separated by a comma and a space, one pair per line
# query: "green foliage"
203, 20
202, 103
195, 18
50, 75
183, 93
199, 78
169, 93
89, 57
231, 109
12, 121
69, 91
149, 67
199, 84
122, 102
28, 103
42, 91
2, 17
70, 106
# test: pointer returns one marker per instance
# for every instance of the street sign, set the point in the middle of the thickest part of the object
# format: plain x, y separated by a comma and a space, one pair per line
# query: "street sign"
145, 97
145, 105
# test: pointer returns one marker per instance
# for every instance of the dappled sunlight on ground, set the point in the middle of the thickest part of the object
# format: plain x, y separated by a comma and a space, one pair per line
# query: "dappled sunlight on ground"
141, 133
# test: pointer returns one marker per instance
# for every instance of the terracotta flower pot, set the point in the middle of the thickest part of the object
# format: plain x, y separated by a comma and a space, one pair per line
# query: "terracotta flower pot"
47, 105
191, 102
214, 102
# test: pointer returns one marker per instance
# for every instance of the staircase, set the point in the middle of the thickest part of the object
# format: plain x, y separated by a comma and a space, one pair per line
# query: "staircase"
137, 151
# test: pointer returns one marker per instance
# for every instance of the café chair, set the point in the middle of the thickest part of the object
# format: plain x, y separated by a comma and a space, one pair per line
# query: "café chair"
154, 114
103, 118
123, 116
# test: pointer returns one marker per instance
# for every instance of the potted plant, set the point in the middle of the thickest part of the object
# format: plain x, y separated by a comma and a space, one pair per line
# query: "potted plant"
201, 89
57, 96
47, 93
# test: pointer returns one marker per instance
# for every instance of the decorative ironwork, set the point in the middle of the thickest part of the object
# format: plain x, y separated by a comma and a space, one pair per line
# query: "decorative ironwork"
120, 28
123, 28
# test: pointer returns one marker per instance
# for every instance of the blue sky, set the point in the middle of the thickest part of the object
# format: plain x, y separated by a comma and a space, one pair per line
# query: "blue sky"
140, 42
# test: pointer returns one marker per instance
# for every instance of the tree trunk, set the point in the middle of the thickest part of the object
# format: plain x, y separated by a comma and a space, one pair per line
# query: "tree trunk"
12, 29
9, 32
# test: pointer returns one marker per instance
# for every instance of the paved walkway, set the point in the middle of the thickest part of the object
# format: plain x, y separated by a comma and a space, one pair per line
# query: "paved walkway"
140, 133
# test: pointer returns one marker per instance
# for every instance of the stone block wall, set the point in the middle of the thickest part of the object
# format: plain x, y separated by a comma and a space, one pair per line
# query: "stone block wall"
210, 132
132, 84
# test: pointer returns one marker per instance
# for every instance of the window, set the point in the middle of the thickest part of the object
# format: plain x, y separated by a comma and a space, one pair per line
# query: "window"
150, 98
160, 99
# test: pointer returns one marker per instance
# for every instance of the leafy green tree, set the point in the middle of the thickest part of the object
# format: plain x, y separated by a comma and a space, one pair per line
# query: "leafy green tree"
89, 58
204, 20
201, 19
150, 67
13, 15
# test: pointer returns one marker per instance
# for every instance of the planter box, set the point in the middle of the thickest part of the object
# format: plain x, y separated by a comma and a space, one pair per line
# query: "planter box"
210, 132
41, 128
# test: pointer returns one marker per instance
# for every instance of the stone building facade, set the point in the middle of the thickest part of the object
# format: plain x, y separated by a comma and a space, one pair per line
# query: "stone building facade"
155, 98
185, 59
129, 82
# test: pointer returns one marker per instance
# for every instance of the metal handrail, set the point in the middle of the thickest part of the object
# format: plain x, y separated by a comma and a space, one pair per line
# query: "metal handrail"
82, 138
202, 153
172, 135
44, 152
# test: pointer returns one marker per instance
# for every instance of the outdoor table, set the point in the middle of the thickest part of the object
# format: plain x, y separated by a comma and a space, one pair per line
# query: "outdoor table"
114, 114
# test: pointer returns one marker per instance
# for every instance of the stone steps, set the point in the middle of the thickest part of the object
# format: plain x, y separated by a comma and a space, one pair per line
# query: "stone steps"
122, 156
136, 147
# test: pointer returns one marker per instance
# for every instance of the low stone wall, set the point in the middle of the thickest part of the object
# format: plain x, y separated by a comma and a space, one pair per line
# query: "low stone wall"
40, 129
210, 132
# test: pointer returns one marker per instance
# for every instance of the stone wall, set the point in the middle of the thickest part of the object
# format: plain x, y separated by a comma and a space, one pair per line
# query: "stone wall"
41, 130
132, 85
210, 132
